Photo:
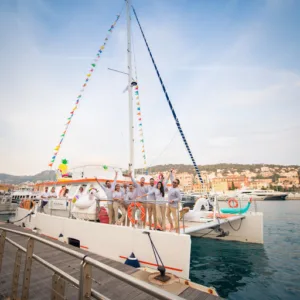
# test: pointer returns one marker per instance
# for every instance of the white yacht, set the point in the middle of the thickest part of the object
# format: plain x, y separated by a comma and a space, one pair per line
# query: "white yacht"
263, 194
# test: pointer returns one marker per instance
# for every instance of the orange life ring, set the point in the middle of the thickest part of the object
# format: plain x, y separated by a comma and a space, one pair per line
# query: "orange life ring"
233, 203
140, 207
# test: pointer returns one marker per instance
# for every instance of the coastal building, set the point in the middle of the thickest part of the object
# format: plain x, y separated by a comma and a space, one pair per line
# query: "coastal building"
219, 185
186, 181
288, 180
237, 182
201, 188
260, 183
6, 187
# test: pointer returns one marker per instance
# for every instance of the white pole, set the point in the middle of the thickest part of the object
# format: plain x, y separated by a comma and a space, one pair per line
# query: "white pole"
130, 100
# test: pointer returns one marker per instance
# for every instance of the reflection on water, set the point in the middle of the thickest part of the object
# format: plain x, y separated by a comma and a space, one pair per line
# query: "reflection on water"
251, 271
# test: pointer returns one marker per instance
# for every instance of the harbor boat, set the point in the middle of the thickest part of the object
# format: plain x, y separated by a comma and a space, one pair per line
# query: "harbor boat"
263, 194
82, 226
6, 205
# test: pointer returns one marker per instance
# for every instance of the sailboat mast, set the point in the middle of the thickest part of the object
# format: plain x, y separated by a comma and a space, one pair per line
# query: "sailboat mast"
130, 100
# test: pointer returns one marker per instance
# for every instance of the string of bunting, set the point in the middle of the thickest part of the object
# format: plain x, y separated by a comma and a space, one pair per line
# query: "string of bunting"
87, 79
140, 124
169, 101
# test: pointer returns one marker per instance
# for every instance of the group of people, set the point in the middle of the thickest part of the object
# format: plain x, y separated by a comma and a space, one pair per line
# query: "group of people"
46, 195
151, 197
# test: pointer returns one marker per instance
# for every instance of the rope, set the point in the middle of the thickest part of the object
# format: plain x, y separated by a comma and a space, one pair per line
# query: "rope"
31, 213
169, 101
238, 226
163, 151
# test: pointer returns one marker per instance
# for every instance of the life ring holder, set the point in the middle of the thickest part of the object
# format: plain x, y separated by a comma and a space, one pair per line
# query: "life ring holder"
233, 203
140, 207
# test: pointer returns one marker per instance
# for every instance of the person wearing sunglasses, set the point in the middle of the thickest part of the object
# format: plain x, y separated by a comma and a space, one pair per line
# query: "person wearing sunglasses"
174, 197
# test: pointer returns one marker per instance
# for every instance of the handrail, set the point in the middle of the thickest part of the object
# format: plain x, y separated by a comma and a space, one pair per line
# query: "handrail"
146, 287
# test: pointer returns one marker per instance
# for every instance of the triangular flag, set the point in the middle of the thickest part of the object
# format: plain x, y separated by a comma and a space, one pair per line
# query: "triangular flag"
102, 47
91, 70
50, 165
94, 65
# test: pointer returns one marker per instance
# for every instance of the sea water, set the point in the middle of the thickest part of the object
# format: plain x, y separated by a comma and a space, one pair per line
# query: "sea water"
251, 271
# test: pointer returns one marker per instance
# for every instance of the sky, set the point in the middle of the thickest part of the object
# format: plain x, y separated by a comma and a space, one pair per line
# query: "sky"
231, 69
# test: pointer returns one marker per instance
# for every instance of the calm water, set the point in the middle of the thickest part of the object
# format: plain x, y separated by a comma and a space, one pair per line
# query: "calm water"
249, 271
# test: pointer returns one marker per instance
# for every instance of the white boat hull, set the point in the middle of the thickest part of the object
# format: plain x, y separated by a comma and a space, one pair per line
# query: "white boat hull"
248, 230
115, 242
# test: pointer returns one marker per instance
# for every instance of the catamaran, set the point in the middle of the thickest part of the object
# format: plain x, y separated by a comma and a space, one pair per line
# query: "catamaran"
62, 219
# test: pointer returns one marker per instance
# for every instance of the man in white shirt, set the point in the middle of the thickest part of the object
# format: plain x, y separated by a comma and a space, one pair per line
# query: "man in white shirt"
44, 197
151, 207
128, 199
108, 189
52, 193
141, 192
174, 198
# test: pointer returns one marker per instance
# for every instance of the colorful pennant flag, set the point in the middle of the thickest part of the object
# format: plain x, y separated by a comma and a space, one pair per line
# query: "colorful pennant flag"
88, 76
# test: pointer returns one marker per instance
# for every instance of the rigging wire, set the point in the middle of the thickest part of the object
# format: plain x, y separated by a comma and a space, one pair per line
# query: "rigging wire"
164, 150
168, 100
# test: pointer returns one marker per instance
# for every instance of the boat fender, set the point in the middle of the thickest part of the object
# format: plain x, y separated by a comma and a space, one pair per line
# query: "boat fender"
103, 216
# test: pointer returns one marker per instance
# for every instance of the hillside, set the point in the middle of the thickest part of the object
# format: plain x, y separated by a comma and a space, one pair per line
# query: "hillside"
12, 179
213, 168
50, 175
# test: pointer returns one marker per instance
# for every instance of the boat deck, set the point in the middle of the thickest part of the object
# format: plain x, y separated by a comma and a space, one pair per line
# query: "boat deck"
102, 282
